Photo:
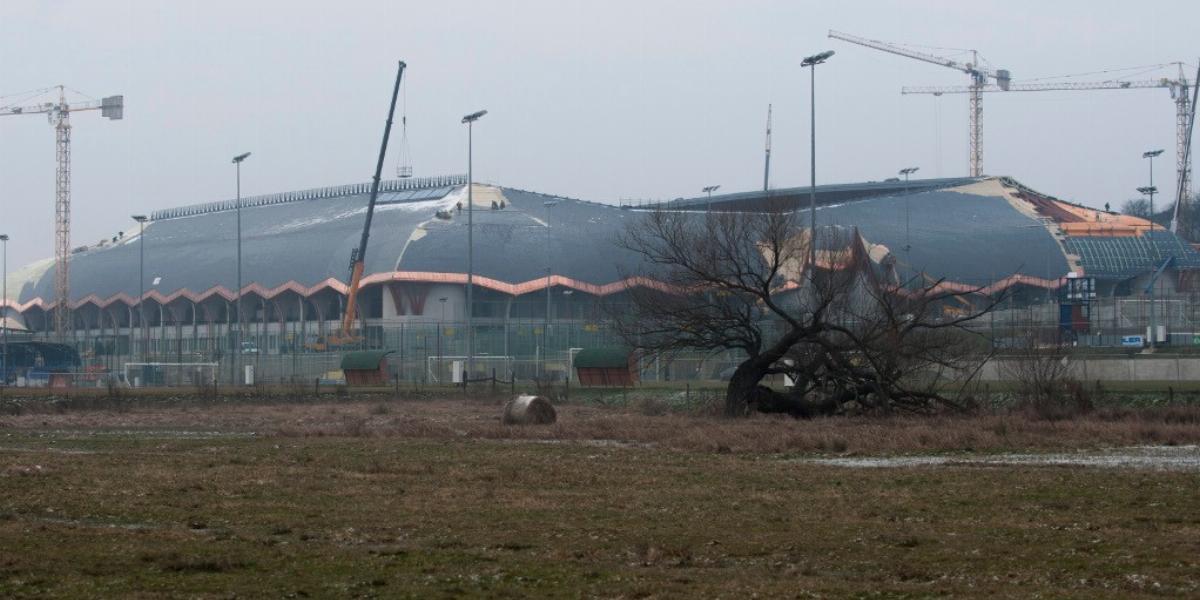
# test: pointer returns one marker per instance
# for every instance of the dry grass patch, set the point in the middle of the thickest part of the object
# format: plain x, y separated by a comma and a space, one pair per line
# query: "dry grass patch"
457, 419
308, 516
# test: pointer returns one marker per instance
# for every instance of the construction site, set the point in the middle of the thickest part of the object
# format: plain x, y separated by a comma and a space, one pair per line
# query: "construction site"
472, 280
523, 300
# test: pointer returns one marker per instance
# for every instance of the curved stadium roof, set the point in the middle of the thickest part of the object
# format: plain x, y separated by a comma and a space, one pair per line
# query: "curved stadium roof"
968, 231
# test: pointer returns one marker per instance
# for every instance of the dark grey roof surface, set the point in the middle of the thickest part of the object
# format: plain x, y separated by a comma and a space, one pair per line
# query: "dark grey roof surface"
513, 246
310, 241
961, 237
800, 197
306, 242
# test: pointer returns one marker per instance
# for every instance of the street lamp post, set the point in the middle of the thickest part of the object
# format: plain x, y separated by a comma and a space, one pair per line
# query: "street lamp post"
141, 221
469, 120
709, 189
237, 336
811, 62
906, 172
4, 311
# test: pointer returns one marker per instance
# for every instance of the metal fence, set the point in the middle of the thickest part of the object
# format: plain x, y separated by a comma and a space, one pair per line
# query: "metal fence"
425, 352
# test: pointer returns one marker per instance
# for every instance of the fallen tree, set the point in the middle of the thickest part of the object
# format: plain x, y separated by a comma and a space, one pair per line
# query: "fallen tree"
844, 328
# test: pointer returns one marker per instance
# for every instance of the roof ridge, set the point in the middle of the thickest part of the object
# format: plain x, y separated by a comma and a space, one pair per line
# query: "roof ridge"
391, 185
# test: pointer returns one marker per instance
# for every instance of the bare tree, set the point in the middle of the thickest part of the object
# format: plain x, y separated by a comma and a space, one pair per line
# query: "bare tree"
1038, 363
1137, 207
845, 331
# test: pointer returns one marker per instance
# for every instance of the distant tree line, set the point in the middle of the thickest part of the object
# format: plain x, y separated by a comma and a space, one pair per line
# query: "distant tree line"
1189, 218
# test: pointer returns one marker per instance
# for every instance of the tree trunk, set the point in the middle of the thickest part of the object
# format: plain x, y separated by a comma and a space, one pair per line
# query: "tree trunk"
743, 386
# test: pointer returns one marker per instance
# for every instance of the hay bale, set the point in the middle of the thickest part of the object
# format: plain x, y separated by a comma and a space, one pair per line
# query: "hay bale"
529, 410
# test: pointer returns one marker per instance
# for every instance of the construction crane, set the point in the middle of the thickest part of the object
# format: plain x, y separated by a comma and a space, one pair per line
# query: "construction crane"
59, 113
1179, 94
358, 256
979, 80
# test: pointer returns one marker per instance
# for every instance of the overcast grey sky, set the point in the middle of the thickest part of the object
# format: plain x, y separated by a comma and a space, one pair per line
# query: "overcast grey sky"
596, 100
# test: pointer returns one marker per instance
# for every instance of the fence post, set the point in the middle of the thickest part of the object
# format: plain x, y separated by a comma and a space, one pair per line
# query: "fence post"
493, 381
317, 387
567, 388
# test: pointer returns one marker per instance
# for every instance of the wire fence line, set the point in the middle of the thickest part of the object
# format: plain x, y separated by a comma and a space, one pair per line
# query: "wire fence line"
426, 352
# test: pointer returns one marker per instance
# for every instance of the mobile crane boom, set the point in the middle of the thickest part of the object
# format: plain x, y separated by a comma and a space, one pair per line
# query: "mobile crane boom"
358, 255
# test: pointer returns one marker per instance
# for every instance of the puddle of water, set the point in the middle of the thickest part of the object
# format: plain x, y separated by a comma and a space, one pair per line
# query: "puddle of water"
1160, 458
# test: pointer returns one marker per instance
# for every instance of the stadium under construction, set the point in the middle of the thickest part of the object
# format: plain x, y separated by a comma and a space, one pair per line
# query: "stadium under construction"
545, 264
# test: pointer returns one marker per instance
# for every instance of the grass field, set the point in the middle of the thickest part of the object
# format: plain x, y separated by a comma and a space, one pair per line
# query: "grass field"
437, 499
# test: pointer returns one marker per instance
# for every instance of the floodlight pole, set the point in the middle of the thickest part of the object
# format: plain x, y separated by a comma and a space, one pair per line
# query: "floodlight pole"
470, 122
1150, 190
237, 337
907, 239
709, 189
811, 62
4, 323
141, 221
1150, 154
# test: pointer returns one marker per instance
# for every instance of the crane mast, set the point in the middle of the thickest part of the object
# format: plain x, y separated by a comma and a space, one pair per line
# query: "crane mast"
979, 80
62, 219
1180, 95
59, 113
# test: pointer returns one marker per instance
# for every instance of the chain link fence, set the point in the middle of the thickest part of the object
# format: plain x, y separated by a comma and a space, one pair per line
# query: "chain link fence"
536, 351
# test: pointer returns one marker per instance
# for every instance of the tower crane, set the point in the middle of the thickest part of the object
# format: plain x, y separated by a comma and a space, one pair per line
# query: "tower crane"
979, 80
1178, 87
59, 113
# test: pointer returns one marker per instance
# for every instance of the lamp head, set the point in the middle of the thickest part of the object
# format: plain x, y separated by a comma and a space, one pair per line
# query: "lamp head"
140, 218
816, 59
1150, 189
1151, 153
475, 116
239, 158
909, 170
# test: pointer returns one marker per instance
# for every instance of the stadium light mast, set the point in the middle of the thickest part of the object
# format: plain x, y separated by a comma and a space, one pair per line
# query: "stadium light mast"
811, 63
1150, 190
141, 221
469, 120
709, 189
4, 310
237, 337
1150, 154
906, 172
